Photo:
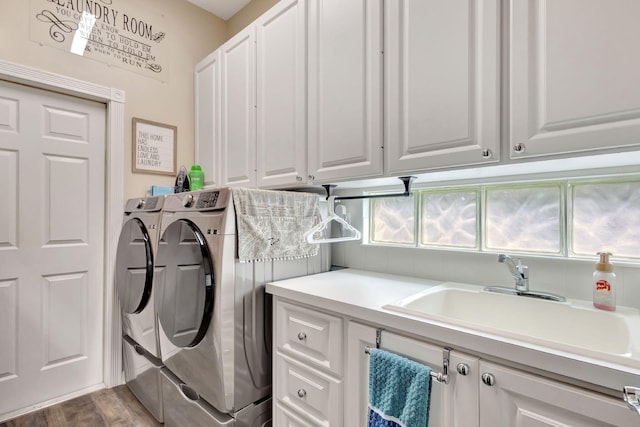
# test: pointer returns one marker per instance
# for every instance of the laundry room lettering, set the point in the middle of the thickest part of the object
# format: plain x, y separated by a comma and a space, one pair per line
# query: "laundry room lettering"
116, 32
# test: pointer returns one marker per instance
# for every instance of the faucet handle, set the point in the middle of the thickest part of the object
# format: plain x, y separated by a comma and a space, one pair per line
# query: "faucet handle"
523, 269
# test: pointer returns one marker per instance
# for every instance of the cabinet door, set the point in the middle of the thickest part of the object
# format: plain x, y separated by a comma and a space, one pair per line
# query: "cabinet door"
238, 141
281, 95
207, 97
441, 83
519, 399
452, 405
345, 88
574, 76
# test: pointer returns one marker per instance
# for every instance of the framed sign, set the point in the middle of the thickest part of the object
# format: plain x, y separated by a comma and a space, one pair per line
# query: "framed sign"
154, 147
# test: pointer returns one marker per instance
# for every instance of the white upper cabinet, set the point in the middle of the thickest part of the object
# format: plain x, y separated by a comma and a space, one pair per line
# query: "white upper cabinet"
345, 89
207, 118
574, 76
281, 95
441, 83
238, 112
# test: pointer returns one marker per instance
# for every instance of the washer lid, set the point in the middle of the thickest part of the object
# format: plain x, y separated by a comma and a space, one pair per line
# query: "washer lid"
134, 266
184, 300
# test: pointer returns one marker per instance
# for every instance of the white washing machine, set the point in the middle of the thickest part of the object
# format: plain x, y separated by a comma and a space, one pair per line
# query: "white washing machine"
135, 276
214, 316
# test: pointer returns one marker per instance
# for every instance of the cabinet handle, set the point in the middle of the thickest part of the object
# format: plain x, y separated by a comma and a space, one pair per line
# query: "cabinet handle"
631, 396
311, 178
302, 336
519, 148
298, 178
487, 154
463, 369
302, 393
488, 379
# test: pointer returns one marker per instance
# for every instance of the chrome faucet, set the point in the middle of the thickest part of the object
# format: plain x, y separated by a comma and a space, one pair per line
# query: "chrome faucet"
520, 274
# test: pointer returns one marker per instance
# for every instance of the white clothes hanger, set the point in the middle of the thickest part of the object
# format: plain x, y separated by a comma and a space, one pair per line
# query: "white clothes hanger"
317, 234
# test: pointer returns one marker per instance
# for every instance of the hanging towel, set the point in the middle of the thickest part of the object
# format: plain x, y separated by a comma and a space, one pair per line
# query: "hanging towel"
271, 224
399, 391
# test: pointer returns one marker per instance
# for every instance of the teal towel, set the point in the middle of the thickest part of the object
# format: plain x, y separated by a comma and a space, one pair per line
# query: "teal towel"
399, 391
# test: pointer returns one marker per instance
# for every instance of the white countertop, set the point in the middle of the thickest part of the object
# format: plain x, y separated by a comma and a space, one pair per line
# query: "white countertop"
361, 294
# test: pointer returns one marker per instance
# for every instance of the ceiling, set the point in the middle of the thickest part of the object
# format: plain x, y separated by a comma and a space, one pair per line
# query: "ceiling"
224, 9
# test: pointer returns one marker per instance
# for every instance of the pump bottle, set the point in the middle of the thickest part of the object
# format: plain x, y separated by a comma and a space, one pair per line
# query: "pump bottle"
604, 290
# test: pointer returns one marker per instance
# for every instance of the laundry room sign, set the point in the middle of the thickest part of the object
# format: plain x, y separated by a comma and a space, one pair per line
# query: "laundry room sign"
117, 32
154, 147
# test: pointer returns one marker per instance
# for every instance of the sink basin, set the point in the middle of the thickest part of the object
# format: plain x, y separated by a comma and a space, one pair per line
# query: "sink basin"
566, 325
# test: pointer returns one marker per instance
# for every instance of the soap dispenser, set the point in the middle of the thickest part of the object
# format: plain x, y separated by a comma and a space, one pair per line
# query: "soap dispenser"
604, 290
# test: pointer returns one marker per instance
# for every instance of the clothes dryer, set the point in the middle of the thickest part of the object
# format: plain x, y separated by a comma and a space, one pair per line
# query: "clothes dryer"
214, 319
135, 272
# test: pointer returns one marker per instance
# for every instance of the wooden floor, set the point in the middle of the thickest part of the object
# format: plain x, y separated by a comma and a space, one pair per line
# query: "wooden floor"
109, 408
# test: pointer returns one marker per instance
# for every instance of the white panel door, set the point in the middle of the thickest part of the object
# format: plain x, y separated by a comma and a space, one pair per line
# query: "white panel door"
454, 404
574, 82
345, 89
207, 97
519, 399
52, 160
281, 95
238, 142
441, 83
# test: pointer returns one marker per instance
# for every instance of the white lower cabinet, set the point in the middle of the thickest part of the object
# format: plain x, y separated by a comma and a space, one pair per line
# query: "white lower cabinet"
307, 367
520, 399
321, 378
449, 402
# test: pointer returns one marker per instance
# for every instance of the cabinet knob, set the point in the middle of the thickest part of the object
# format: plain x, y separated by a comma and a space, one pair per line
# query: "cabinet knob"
298, 178
302, 336
463, 369
311, 178
519, 148
487, 154
302, 393
488, 379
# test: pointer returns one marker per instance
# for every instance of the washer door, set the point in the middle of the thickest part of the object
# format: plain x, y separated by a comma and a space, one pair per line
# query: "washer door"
134, 266
184, 300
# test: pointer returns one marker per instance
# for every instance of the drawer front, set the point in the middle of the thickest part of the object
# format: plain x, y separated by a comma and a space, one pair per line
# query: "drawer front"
310, 335
308, 391
285, 417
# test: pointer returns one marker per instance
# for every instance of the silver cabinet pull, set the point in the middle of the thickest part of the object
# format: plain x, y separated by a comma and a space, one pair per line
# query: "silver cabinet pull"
632, 397
488, 379
302, 336
519, 148
302, 393
463, 369
487, 154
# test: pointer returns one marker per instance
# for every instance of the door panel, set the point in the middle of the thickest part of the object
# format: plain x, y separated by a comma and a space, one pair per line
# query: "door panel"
577, 90
52, 157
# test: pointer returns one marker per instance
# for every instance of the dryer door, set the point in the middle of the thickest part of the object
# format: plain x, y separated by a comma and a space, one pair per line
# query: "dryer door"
184, 300
134, 266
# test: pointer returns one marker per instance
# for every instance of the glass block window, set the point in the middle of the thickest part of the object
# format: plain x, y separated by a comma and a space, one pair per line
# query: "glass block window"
393, 220
606, 217
571, 218
449, 218
524, 219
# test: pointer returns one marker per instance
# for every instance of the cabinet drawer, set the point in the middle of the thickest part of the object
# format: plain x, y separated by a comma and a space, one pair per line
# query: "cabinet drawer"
309, 392
312, 336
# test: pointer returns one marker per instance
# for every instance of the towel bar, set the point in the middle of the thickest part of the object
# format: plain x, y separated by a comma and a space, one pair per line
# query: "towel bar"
441, 377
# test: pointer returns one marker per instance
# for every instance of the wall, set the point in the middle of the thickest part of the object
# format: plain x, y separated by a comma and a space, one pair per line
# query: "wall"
571, 278
192, 34
247, 15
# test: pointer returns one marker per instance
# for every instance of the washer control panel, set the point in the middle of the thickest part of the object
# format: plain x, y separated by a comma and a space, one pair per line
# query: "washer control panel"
207, 199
